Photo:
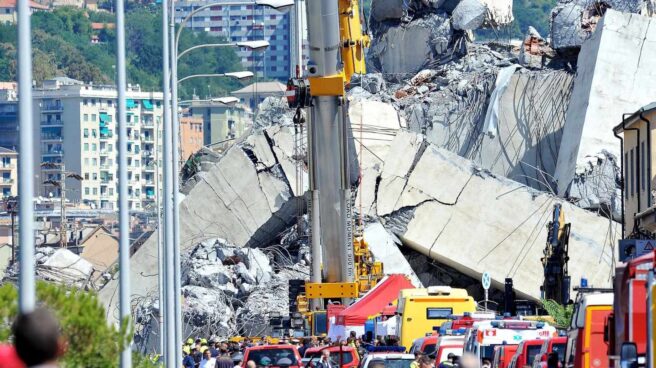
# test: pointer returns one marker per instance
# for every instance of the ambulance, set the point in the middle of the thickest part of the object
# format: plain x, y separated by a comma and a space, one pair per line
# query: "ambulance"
485, 335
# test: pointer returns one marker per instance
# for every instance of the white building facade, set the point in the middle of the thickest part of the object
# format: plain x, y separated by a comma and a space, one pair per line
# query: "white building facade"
76, 125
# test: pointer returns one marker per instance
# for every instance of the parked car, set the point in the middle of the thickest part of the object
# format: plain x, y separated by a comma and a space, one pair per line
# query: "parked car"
349, 356
274, 356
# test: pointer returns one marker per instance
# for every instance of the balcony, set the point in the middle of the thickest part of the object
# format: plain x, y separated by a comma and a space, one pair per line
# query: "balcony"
149, 183
53, 106
52, 138
107, 136
53, 153
106, 180
5, 167
52, 123
105, 167
6, 181
149, 168
148, 123
147, 138
146, 153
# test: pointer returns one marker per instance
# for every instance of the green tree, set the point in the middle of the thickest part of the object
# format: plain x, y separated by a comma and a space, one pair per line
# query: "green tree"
92, 342
562, 314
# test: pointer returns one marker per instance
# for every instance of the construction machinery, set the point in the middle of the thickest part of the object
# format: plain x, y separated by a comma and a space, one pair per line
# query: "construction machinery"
556, 280
342, 265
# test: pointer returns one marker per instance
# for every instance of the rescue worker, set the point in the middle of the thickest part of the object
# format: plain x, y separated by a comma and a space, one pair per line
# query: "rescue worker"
324, 362
425, 362
449, 362
188, 360
415, 363
208, 361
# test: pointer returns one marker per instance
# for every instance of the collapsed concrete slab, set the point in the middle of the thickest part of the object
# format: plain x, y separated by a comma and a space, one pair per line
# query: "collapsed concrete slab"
385, 248
445, 207
615, 76
406, 48
244, 198
573, 21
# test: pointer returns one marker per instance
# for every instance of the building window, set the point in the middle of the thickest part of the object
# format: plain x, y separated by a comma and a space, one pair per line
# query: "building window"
93, 147
86, 191
109, 147
642, 168
109, 103
93, 102
93, 133
632, 177
86, 133
272, 16
95, 176
86, 147
95, 191
86, 177
111, 191
86, 161
85, 117
85, 102
93, 117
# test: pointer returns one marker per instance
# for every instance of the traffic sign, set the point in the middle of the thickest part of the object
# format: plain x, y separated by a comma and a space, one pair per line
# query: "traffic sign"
486, 280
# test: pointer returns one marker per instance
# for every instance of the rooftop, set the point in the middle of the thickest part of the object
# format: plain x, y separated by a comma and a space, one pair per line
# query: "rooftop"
628, 121
99, 26
4, 150
12, 4
262, 87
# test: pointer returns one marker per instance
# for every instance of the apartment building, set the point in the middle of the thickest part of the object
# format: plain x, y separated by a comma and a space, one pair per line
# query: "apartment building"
191, 136
221, 121
8, 13
239, 23
8, 115
75, 125
8, 172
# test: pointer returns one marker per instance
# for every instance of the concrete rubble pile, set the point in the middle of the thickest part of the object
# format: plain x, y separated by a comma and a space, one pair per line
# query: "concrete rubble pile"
574, 21
451, 137
58, 265
227, 291
409, 35
247, 198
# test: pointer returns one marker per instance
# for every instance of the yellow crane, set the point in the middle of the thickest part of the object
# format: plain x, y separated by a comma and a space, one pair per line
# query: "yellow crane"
342, 265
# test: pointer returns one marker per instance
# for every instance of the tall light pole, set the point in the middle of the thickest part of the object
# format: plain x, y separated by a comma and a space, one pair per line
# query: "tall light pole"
26, 293
170, 319
123, 214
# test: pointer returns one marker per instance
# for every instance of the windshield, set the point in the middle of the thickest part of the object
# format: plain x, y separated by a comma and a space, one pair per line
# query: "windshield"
272, 357
560, 350
347, 357
320, 323
389, 363
487, 351
531, 352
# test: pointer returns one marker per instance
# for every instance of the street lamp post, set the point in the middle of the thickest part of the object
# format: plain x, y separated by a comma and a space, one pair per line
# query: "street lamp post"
236, 75
174, 40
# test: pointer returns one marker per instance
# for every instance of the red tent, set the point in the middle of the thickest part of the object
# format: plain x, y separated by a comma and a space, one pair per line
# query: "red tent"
375, 301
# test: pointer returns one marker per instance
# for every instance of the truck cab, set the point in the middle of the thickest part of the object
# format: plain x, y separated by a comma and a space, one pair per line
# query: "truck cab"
526, 352
628, 324
422, 311
503, 354
586, 347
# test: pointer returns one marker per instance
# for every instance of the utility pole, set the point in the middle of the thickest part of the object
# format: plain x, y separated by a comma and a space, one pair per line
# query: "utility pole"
169, 263
123, 214
61, 184
26, 292
175, 147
